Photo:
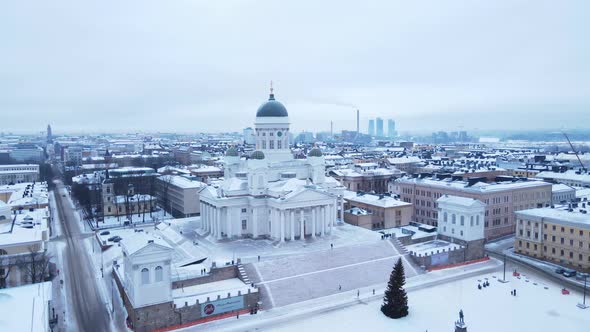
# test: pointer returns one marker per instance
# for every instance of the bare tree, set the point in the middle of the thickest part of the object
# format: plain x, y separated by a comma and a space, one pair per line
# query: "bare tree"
36, 264
6, 265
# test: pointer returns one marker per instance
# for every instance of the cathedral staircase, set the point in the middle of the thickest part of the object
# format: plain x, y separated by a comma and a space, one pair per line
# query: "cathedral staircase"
242, 275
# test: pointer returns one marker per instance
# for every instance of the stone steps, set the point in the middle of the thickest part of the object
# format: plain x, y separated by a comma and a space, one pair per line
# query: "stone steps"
243, 275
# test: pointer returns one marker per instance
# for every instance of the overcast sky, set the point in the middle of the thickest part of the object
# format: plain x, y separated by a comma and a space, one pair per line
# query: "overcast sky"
190, 66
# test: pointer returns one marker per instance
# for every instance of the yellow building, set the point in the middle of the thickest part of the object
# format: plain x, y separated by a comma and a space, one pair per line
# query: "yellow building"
559, 236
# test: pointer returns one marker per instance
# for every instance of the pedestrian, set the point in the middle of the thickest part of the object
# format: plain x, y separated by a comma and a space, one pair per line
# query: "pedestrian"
339, 287
515, 292
511, 293
358, 293
373, 291
259, 258
238, 315
478, 286
331, 245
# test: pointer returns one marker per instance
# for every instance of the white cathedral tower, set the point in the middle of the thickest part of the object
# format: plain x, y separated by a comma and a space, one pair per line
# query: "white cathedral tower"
272, 130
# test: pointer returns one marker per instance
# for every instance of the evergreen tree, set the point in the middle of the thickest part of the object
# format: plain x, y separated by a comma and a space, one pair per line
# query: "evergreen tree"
395, 301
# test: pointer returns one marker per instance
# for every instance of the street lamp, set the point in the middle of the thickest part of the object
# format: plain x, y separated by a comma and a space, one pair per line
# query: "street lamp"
583, 304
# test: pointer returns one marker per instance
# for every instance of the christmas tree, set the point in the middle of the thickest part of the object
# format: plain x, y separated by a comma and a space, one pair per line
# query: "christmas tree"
395, 301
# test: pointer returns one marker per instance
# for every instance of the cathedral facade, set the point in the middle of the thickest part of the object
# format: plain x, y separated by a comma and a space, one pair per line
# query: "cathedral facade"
270, 194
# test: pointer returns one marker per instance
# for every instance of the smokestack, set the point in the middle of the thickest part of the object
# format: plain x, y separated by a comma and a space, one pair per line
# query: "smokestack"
357, 122
331, 128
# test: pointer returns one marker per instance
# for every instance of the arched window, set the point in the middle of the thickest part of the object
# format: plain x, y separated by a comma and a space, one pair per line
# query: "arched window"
453, 218
471, 221
445, 217
477, 220
145, 276
462, 220
159, 273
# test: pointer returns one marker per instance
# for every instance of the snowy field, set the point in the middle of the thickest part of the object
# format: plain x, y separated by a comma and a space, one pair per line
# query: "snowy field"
491, 309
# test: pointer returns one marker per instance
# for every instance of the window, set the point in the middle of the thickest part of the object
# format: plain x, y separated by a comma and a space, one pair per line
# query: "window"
477, 220
244, 224
271, 145
244, 210
145, 276
159, 273
279, 145
462, 221
461, 233
453, 218
445, 217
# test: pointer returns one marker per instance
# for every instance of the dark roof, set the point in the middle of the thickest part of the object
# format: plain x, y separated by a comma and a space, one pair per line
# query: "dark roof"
257, 155
272, 108
315, 152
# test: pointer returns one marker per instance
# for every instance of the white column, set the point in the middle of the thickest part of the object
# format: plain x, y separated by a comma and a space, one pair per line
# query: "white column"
324, 219
331, 216
254, 221
228, 222
342, 208
302, 225
214, 220
218, 223
292, 219
282, 213
313, 220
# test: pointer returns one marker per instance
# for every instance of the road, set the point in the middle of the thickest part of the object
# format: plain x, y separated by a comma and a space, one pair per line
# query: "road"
548, 272
88, 307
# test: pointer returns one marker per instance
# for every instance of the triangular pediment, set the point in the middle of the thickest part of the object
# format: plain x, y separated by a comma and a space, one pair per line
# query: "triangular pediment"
152, 249
307, 195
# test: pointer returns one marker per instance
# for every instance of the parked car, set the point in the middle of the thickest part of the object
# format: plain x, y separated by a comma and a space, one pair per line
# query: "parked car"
115, 238
559, 270
105, 233
569, 273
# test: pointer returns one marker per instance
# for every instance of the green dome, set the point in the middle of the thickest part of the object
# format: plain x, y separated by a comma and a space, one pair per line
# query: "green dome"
315, 152
232, 152
257, 155
272, 108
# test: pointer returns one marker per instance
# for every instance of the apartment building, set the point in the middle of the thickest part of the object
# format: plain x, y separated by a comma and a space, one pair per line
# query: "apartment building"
376, 211
501, 199
11, 174
556, 235
179, 195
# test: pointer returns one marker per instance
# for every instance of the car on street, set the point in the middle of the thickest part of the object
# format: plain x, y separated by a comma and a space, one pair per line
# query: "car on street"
115, 238
105, 233
569, 273
559, 270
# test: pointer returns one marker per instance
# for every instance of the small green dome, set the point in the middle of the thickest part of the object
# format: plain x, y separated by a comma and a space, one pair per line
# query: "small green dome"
257, 155
232, 152
315, 152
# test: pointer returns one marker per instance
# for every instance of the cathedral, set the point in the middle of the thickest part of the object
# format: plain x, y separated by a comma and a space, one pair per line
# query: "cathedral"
271, 194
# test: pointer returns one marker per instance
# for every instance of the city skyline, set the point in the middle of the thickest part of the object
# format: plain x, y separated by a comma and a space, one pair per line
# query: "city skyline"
140, 74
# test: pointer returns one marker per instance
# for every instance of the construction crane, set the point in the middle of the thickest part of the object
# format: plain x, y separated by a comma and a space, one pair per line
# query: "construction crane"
575, 152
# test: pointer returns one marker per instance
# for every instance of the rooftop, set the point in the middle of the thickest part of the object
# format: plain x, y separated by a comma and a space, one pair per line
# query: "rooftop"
559, 215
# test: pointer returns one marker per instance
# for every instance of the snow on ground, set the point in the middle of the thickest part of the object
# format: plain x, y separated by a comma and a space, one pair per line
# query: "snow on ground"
248, 249
488, 310
114, 221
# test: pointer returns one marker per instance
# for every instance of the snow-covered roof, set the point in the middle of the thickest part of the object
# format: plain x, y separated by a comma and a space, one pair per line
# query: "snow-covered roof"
560, 187
25, 308
459, 201
140, 240
375, 200
558, 215
568, 175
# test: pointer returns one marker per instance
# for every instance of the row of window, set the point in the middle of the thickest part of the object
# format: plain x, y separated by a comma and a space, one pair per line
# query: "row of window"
461, 219
145, 275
